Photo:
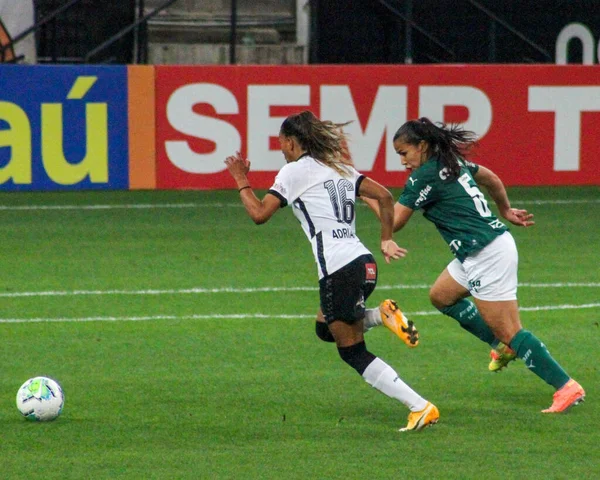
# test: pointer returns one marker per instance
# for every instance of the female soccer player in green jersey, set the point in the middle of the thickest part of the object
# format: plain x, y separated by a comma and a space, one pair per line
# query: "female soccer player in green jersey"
445, 187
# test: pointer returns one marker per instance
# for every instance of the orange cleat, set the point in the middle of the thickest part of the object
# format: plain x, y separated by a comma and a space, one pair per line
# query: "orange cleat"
395, 320
566, 397
419, 420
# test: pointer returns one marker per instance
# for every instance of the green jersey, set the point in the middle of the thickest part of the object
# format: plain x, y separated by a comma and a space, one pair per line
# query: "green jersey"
457, 207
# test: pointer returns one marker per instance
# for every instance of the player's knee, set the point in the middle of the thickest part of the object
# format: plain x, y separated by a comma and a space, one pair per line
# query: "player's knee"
323, 332
441, 299
357, 356
436, 299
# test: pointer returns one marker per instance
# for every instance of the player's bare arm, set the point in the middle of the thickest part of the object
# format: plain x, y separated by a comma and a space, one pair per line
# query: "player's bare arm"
383, 202
402, 214
260, 211
372, 204
495, 188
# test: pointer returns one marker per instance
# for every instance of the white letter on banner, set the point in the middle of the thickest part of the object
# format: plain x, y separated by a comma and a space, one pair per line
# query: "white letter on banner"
387, 115
432, 101
183, 119
262, 126
567, 103
583, 34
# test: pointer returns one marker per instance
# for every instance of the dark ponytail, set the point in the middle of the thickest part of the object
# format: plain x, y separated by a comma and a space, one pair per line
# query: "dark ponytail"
449, 143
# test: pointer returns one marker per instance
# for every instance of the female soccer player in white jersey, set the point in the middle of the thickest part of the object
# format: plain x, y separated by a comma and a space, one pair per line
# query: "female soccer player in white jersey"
321, 185
445, 187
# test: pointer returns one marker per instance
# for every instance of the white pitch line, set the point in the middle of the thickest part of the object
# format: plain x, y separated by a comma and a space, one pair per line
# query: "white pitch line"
556, 202
199, 290
181, 291
245, 316
559, 307
147, 206
152, 317
559, 285
140, 206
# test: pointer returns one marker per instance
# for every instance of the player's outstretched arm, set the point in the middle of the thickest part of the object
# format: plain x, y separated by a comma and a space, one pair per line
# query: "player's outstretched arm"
383, 205
260, 211
495, 188
402, 214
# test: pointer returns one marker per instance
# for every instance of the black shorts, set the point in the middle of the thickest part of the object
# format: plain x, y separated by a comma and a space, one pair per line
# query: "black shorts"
344, 292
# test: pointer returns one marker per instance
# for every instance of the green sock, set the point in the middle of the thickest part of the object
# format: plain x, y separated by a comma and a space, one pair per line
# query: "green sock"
466, 313
537, 358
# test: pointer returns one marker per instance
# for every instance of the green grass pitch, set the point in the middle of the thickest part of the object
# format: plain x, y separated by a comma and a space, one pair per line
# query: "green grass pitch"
183, 337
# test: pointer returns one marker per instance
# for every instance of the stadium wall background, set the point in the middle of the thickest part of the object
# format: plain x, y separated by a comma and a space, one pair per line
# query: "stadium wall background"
171, 127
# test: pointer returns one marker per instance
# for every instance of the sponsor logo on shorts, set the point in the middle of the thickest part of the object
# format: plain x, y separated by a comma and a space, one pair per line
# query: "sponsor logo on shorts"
474, 285
361, 302
371, 269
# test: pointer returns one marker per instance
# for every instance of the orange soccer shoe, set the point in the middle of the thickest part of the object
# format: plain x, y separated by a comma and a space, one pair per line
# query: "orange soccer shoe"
395, 320
566, 397
419, 420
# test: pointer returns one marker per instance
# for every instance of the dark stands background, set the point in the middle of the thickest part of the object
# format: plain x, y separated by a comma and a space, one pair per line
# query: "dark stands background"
80, 29
446, 31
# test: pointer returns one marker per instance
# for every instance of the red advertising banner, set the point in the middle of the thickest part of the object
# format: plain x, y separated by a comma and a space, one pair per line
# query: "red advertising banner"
538, 124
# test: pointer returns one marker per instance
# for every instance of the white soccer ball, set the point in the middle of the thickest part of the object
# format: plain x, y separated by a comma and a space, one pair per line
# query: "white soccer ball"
40, 399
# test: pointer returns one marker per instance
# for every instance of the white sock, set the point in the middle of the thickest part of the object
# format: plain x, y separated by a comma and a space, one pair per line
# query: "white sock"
372, 319
383, 377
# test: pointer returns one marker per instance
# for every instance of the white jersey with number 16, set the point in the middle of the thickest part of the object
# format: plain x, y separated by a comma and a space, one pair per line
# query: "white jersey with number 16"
324, 203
